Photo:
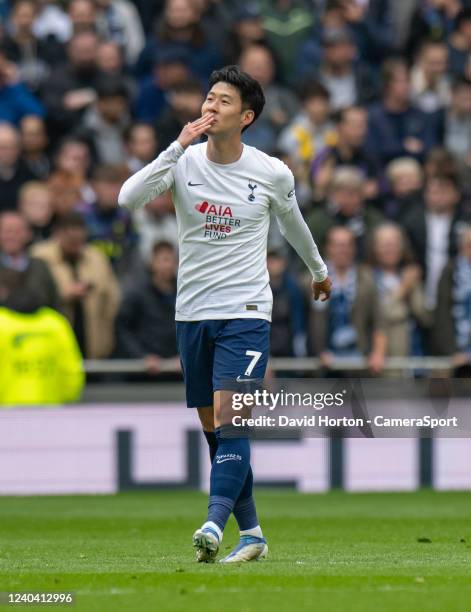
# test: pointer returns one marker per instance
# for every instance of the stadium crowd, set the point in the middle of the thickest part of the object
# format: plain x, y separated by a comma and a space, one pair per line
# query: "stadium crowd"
367, 101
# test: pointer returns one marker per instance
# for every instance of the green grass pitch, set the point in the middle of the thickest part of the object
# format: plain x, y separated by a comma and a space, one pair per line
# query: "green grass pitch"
338, 551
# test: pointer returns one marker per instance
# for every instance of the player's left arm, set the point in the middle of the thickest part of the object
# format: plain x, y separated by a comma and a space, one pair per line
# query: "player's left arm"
295, 230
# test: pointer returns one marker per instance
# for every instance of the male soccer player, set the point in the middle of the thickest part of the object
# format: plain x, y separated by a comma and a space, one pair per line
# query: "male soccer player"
223, 193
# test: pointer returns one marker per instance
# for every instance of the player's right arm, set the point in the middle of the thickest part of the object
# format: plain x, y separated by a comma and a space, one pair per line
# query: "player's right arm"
158, 176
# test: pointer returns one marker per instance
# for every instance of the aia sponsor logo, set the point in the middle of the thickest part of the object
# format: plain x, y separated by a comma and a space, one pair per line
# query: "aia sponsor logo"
214, 209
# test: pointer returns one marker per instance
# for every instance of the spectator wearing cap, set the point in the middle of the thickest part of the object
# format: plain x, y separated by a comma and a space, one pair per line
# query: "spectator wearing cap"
15, 236
109, 226
145, 325
288, 328
350, 150
71, 89
87, 286
170, 69
395, 127
16, 101
106, 121
179, 29
281, 106
345, 206
311, 129
14, 172
184, 105
348, 81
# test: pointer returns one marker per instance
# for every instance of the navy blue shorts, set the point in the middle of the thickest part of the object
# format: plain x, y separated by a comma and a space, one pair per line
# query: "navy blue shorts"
214, 352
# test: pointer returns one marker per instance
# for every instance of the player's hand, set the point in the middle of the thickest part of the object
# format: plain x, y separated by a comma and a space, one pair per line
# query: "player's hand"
322, 290
194, 129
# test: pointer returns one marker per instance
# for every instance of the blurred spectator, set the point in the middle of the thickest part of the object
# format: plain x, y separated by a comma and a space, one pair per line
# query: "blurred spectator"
351, 322
400, 290
430, 85
154, 223
457, 122
141, 145
247, 30
170, 69
33, 57
13, 170
438, 162
64, 187
311, 130
35, 203
179, 30
287, 24
280, 104
109, 226
40, 360
15, 235
87, 286
405, 180
396, 128
82, 14
432, 19
71, 88
348, 82
185, 101
452, 329
288, 328
74, 156
16, 101
345, 206
350, 150
118, 21
35, 141
459, 43
110, 61
433, 230
145, 325
106, 121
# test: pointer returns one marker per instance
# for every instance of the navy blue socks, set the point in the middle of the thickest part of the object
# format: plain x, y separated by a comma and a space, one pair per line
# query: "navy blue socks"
228, 475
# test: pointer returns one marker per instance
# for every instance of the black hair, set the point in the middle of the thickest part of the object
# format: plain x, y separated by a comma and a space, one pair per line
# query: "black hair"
162, 245
111, 87
128, 132
249, 89
463, 16
460, 82
313, 89
70, 220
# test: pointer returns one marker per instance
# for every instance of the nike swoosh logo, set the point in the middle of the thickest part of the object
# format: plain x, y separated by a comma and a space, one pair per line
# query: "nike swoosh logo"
190, 184
291, 193
239, 379
228, 459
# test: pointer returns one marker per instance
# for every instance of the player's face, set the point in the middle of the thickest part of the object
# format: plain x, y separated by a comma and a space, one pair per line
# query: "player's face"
224, 102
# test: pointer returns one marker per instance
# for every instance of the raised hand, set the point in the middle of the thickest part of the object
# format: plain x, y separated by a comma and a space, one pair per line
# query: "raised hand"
193, 129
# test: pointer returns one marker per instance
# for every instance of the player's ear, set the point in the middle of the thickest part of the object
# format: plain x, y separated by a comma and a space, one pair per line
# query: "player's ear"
247, 117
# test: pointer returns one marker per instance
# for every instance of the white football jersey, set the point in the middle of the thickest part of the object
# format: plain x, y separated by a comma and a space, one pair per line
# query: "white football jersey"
223, 216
